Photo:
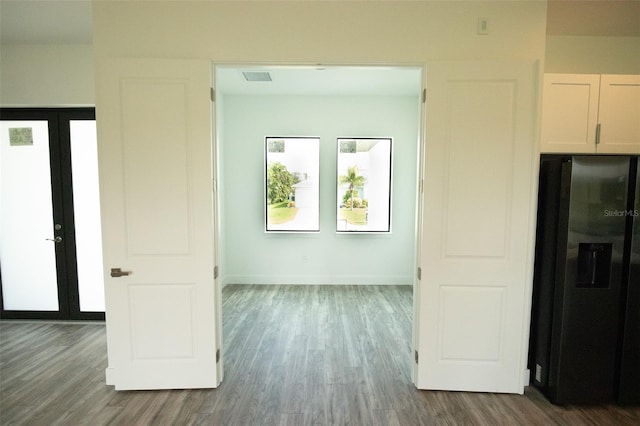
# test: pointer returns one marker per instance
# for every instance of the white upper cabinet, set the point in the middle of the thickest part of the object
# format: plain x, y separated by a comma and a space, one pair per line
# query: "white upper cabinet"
591, 113
619, 114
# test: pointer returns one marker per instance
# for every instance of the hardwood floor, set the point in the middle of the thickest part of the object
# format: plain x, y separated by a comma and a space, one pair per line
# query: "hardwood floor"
295, 355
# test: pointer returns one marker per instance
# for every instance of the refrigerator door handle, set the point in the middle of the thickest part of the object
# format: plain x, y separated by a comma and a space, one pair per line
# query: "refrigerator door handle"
594, 262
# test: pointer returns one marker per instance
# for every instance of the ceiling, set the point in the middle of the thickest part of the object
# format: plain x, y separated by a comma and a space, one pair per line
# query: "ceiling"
46, 22
315, 80
608, 18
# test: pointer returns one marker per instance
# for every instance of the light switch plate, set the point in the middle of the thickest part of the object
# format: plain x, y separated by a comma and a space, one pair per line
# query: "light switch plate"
483, 26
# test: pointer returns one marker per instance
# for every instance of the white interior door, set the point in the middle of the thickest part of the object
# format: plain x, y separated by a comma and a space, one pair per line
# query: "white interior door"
154, 137
478, 221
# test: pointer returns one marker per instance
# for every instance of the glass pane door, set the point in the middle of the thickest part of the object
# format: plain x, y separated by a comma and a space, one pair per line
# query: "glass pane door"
27, 243
86, 213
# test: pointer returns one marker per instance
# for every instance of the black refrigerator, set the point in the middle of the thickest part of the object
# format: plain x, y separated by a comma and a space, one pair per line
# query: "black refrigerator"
585, 329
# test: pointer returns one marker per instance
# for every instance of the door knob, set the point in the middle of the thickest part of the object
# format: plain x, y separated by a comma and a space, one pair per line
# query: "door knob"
118, 272
56, 239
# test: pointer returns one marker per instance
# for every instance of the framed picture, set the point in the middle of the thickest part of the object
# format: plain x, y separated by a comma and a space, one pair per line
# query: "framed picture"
364, 185
292, 184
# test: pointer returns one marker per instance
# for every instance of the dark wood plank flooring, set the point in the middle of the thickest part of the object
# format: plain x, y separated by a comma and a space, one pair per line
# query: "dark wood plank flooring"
294, 355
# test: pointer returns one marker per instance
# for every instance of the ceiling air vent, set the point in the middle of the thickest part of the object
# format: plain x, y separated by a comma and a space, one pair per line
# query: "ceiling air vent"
256, 76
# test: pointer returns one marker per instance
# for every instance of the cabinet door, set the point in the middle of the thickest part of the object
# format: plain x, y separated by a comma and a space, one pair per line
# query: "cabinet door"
569, 113
619, 115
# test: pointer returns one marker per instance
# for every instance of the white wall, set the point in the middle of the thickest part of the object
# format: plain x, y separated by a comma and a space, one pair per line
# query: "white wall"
251, 255
319, 31
592, 55
46, 75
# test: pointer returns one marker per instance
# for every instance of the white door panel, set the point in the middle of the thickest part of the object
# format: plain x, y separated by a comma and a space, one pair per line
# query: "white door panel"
154, 120
477, 248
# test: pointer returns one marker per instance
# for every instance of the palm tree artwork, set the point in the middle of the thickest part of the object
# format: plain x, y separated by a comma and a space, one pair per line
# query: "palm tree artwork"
353, 180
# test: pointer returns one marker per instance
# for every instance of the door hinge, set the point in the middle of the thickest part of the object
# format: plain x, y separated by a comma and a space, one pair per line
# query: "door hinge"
598, 128
218, 355
215, 272
424, 95
213, 94
419, 273
415, 353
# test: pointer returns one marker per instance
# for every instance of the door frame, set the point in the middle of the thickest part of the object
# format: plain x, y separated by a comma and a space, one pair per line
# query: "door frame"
62, 203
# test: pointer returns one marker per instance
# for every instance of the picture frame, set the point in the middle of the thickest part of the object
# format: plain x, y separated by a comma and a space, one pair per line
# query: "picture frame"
363, 185
292, 184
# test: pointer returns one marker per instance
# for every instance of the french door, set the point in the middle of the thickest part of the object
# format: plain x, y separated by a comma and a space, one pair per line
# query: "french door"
50, 239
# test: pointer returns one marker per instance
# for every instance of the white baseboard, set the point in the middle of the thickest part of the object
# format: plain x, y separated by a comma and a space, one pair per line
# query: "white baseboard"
319, 279
526, 379
109, 374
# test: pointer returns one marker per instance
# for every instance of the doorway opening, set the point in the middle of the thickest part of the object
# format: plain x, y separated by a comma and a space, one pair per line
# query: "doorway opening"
259, 103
